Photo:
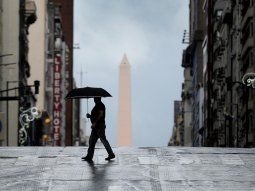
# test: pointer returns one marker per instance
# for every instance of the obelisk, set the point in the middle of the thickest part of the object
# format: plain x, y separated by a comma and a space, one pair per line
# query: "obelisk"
124, 113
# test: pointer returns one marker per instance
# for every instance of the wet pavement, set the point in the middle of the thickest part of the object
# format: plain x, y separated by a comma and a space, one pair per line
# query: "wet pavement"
135, 169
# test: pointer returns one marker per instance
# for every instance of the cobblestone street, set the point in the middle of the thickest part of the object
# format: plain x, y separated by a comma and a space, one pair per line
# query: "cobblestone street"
145, 169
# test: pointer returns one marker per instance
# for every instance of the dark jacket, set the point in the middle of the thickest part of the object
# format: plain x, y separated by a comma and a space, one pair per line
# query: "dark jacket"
95, 114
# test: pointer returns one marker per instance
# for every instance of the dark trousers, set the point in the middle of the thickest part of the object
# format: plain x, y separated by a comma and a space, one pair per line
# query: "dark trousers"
98, 132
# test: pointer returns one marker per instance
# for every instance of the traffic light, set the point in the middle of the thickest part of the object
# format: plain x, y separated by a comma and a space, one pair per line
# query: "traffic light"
36, 84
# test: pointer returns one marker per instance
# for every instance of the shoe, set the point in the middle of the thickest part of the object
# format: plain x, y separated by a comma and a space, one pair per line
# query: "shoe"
112, 156
87, 159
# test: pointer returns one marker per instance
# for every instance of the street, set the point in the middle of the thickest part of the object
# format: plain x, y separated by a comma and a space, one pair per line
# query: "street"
166, 168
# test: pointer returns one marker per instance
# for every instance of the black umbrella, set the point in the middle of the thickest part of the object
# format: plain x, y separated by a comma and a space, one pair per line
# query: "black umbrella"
87, 92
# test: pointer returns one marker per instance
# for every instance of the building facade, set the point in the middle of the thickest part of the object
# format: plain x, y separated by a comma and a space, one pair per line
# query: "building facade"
59, 72
16, 93
178, 136
10, 45
193, 88
37, 53
246, 97
36, 49
220, 53
197, 23
60, 47
232, 103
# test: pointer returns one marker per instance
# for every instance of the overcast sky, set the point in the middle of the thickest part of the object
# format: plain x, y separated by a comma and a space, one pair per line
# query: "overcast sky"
150, 33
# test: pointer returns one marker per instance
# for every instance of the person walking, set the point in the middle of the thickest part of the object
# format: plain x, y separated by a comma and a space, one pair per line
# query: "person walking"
97, 118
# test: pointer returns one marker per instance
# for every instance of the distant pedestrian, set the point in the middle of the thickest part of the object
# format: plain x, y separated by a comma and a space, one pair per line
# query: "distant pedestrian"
97, 118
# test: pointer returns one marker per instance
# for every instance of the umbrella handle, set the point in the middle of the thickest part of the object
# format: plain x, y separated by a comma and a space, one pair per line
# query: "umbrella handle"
87, 105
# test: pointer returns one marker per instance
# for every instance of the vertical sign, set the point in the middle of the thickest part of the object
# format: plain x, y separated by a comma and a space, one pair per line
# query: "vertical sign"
56, 99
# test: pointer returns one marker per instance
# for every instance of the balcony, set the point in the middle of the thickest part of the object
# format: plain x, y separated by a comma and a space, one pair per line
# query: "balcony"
187, 57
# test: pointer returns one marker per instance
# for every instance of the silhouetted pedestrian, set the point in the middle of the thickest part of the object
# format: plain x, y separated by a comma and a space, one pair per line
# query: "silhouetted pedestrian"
97, 118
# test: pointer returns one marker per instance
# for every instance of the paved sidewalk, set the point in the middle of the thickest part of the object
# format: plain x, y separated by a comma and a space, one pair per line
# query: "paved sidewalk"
135, 169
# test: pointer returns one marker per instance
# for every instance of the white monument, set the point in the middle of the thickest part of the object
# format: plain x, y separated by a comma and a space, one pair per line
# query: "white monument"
124, 112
